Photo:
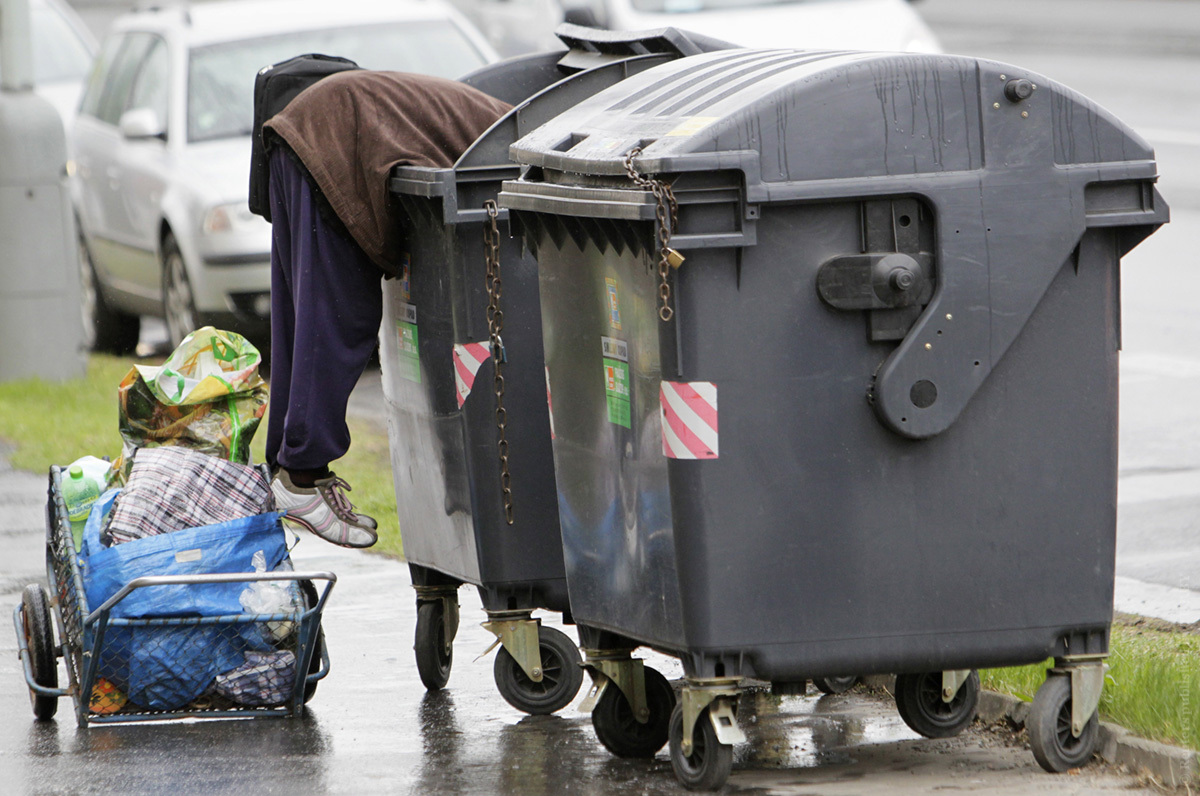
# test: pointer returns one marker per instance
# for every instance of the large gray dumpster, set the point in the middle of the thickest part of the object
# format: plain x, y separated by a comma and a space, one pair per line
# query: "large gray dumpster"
449, 418
902, 284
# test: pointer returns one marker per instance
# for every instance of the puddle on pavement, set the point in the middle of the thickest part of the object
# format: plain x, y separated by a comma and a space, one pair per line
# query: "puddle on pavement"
812, 730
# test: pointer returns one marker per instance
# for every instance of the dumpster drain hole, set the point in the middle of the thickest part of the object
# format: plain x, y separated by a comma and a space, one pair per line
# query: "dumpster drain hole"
923, 394
904, 221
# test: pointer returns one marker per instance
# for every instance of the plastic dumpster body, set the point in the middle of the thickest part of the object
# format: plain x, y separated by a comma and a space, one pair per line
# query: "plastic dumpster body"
441, 387
878, 432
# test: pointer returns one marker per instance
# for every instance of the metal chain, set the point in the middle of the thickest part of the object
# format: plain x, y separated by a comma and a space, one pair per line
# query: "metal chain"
495, 319
667, 211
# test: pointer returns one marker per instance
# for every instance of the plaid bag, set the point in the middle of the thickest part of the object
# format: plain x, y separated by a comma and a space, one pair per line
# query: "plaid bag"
170, 489
263, 680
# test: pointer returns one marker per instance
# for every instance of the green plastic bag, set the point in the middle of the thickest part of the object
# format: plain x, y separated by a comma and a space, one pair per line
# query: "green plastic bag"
207, 396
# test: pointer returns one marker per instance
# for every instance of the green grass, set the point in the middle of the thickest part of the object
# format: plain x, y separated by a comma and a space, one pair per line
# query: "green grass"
56, 423
1152, 688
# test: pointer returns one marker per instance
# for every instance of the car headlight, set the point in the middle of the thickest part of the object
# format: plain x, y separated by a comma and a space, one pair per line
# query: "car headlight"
231, 217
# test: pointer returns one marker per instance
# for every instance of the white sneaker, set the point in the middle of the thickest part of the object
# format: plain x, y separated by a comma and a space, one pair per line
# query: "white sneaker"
324, 509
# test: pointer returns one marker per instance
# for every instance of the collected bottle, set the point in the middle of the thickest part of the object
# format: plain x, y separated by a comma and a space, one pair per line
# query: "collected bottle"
80, 489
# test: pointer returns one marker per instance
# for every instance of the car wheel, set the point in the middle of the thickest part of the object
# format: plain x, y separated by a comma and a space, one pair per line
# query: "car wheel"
104, 329
179, 305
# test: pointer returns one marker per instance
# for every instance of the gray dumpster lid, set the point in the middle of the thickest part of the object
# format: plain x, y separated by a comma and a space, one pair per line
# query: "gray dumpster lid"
1014, 166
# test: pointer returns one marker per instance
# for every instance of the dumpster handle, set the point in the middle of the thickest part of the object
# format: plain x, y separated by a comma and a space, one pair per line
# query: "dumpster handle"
667, 212
495, 318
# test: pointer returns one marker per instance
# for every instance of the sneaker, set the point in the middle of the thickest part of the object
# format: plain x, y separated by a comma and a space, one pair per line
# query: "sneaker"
324, 509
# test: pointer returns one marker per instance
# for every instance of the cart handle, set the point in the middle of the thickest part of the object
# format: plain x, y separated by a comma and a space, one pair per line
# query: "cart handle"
223, 577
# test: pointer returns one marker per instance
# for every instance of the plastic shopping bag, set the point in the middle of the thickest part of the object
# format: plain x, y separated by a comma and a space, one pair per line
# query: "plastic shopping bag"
207, 396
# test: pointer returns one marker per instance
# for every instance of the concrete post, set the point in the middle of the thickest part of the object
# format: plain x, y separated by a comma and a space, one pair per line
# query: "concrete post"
41, 325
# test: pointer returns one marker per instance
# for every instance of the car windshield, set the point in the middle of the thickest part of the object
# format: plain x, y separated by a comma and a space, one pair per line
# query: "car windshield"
59, 54
221, 76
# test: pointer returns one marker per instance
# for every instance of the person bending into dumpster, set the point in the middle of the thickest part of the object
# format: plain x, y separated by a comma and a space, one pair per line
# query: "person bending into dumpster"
334, 234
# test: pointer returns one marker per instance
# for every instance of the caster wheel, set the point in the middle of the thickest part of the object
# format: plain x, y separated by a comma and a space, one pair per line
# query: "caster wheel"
919, 702
835, 685
709, 764
435, 655
562, 675
39, 638
621, 733
1054, 746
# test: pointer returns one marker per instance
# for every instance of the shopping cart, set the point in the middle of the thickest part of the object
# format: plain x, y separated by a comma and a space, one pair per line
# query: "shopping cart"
245, 664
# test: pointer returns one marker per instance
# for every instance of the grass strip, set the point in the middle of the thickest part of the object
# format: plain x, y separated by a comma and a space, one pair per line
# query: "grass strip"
1152, 687
56, 423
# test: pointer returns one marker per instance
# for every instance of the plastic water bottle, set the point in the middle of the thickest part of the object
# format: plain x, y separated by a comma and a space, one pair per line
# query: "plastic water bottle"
80, 491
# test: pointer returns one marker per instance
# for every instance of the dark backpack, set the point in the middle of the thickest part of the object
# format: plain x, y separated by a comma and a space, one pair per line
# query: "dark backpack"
274, 87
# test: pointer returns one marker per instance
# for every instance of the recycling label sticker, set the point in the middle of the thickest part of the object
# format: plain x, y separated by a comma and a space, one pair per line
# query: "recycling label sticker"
616, 381
614, 304
409, 364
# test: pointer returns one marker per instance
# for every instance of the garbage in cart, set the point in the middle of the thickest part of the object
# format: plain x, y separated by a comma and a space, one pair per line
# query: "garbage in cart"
177, 597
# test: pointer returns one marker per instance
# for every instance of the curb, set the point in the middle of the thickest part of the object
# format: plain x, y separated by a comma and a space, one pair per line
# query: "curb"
1171, 765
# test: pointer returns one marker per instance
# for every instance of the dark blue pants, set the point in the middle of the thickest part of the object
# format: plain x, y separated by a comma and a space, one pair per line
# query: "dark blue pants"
326, 306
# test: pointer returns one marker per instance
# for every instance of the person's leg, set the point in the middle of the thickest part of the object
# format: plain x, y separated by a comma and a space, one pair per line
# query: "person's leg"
283, 313
330, 304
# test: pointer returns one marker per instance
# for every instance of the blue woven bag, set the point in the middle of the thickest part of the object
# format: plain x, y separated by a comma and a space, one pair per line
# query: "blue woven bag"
166, 667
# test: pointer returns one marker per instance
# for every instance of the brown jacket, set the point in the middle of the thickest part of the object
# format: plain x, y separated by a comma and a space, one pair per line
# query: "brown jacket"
351, 128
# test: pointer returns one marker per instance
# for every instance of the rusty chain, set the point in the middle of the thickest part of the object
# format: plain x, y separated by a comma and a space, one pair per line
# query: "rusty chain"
495, 319
667, 212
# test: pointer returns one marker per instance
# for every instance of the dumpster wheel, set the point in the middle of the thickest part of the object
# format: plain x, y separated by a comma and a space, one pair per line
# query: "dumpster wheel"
835, 685
562, 675
1054, 745
919, 702
709, 764
435, 653
620, 731
39, 639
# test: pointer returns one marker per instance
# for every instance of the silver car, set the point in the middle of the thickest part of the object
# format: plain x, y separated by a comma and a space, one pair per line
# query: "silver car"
162, 148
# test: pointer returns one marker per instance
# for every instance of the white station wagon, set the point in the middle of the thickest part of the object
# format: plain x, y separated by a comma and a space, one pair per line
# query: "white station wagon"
162, 148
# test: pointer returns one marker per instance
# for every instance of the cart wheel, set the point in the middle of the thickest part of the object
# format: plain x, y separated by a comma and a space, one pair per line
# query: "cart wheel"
39, 637
562, 675
435, 655
1049, 726
919, 702
710, 762
835, 685
621, 733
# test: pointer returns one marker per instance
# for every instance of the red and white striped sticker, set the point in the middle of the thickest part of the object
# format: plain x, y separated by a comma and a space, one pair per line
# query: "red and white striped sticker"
689, 419
467, 359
